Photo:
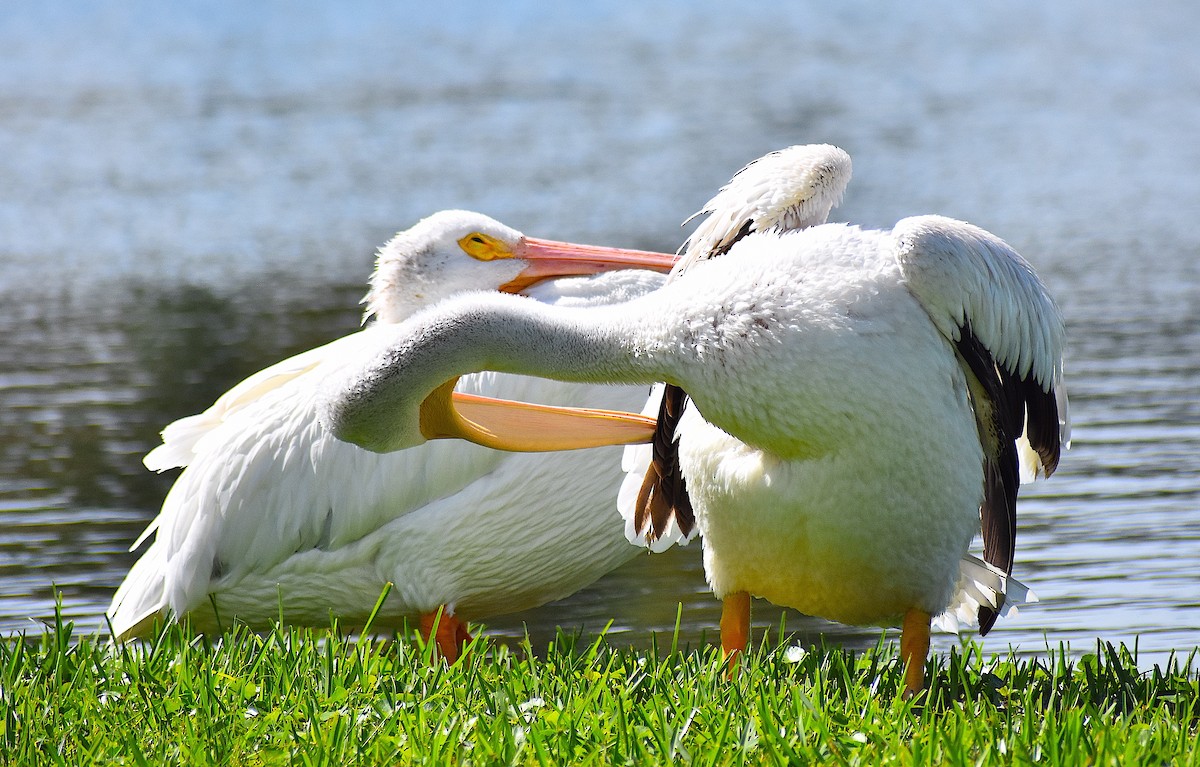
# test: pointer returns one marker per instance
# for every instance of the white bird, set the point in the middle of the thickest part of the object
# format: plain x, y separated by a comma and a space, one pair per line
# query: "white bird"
786, 190
875, 386
272, 517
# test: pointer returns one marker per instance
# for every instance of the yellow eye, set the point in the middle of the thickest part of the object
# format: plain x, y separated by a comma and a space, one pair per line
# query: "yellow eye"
484, 248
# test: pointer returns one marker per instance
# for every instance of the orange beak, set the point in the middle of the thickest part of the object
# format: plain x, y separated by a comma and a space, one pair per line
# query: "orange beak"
523, 427
551, 258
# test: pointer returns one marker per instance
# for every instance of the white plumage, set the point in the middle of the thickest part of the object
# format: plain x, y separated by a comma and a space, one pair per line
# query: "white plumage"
272, 511
841, 367
786, 190
793, 189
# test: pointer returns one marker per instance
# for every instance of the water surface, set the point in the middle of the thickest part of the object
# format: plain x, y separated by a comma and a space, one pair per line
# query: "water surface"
191, 193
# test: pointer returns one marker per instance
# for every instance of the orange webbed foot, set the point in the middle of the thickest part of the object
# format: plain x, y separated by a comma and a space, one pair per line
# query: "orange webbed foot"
448, 634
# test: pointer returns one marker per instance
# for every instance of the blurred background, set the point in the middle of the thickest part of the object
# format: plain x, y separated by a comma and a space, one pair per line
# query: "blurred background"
190, 192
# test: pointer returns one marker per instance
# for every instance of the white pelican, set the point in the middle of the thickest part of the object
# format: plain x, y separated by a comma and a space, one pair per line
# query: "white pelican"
875, 385
784, 191
272, 516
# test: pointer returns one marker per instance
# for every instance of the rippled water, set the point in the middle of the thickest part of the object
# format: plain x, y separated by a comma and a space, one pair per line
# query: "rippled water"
190, 193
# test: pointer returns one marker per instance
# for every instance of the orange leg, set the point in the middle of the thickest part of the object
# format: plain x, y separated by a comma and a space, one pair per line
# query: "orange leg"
914, 648
448, 633
735, 628
461, 635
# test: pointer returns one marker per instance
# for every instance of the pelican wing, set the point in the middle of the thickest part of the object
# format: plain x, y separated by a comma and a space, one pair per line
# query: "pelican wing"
180, 437
1009, 337
782, 191
638, 464
663, 495
267, 481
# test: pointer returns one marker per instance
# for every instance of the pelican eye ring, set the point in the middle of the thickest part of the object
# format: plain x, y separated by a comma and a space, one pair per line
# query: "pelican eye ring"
483, 247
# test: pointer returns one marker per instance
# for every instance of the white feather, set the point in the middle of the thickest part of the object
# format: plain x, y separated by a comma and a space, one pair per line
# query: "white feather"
783, 191
982, 584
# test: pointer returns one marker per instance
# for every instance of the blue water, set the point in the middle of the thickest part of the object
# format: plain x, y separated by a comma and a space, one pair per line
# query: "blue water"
190, 192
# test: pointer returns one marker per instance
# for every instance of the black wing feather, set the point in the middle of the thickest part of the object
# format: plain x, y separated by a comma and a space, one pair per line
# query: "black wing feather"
1006, 403
664, 490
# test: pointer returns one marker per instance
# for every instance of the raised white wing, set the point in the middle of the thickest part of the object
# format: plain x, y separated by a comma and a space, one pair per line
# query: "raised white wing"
789, 189
971, 283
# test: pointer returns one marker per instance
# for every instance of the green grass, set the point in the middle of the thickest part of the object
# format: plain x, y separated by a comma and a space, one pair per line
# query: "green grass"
318, 698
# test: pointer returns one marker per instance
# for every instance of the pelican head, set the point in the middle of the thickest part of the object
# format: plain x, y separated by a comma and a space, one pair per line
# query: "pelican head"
454, 251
